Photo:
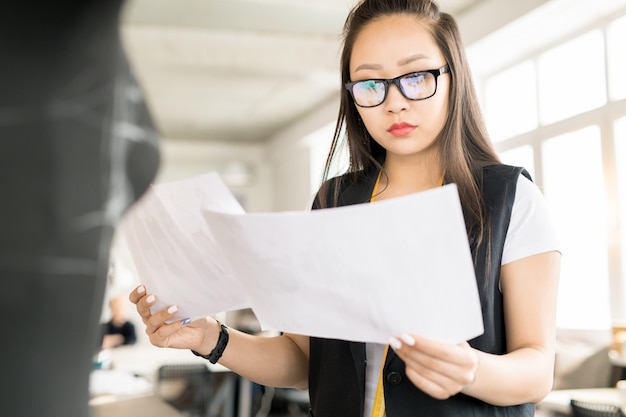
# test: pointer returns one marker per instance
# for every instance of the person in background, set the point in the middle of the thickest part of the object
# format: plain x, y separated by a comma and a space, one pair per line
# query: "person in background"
410, 120
119, 330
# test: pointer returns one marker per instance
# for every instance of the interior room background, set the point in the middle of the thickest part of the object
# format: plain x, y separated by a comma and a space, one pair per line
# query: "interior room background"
550, 76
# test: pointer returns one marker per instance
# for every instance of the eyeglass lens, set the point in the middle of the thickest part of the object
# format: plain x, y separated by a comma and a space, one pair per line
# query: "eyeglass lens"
414, 86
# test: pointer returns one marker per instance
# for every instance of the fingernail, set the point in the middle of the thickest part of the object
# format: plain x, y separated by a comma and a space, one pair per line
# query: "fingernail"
141, 289
172, 309
395, 343
408, 339
150, 298
186, 321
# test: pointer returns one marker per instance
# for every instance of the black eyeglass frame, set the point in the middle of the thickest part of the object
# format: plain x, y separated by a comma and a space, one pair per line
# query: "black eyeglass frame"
386, 82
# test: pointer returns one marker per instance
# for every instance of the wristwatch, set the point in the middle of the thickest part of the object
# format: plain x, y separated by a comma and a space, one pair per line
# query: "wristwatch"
218, 350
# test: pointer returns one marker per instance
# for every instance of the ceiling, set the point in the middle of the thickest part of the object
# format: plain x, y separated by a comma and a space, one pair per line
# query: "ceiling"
237, 70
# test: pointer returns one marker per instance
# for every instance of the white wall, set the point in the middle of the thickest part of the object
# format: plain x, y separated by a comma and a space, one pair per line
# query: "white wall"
279, 170
183, 159
290, 155
490, 15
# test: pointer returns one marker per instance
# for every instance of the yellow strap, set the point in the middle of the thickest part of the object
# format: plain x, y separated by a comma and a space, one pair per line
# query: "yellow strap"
378, 409
375, 190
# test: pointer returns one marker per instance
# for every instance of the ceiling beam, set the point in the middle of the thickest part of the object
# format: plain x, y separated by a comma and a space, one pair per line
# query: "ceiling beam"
305, 18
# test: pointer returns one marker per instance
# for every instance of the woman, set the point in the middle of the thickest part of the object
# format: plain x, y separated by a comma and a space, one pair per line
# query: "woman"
118, 330
412, 123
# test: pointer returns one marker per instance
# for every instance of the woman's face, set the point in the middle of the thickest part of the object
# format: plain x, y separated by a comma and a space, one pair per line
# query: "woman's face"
387, 48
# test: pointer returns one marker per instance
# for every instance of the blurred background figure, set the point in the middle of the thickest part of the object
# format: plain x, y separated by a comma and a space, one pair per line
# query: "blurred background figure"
116, 326
76, 150
118, 330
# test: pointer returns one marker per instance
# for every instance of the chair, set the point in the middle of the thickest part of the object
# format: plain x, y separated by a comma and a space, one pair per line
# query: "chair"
591, 409
287, 402
294, 402
187, 387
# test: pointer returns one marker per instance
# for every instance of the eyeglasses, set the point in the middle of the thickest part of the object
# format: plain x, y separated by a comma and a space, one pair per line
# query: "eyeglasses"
414, 86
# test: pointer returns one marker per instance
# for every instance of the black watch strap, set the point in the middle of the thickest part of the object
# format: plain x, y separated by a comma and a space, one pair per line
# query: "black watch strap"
217, 352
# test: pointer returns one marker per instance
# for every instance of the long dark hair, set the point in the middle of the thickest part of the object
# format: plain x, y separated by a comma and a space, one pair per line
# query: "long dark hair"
464, 144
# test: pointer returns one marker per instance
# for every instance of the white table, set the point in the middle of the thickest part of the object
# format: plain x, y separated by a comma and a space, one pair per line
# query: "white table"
145, 360
148, 406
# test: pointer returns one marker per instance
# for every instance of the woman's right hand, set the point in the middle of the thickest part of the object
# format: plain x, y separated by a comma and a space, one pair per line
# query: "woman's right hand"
278, 361
181, 334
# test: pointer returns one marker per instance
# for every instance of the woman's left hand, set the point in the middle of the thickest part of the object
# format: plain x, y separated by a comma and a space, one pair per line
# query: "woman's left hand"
439, 369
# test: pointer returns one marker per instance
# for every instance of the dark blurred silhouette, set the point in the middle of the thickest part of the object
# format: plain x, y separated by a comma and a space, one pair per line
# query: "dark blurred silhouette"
76, 149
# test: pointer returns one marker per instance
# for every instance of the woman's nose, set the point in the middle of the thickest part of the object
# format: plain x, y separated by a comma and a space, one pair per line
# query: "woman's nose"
395, 101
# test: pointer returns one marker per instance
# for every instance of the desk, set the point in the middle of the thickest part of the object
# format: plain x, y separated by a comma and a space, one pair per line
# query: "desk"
117, 383
149, 406
558, 402
145, 360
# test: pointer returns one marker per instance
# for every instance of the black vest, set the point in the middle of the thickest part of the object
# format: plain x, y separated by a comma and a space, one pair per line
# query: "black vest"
337, 367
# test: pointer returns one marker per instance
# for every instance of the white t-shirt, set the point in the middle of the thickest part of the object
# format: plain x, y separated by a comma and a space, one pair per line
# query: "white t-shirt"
531, 232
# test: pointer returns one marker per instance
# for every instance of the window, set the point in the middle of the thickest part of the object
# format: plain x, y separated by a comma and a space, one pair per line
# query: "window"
616, 34
511, 101
572, 78
574, 187
620, 159
574, 85
319, 143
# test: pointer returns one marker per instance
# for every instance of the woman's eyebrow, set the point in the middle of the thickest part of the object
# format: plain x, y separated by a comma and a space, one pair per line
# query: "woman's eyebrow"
368, 67
412, 58
402, 62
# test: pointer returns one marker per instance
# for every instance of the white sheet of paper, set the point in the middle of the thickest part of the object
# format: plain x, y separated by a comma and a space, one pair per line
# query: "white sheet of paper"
362, 272
175, 251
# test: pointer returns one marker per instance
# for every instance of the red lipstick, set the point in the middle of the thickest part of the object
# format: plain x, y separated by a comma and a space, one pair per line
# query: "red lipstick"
401, 129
